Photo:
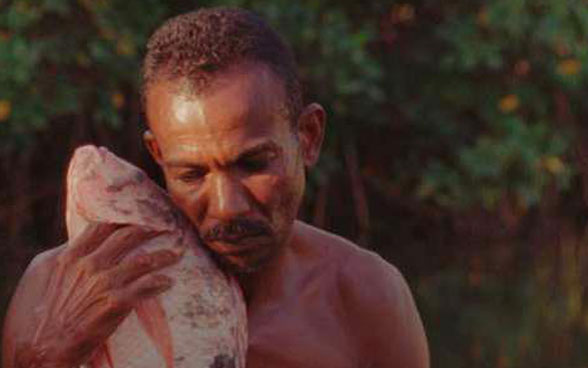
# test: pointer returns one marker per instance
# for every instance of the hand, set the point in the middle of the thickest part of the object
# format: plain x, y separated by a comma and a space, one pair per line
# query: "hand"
90, 292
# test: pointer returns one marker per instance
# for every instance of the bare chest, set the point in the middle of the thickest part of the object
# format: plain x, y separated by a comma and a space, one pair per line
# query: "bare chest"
301, 334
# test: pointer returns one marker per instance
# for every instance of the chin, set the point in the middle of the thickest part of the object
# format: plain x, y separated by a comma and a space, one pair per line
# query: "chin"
242, 266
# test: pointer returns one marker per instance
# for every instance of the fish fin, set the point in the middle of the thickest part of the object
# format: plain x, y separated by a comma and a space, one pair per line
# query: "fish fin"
101, 357
153, 319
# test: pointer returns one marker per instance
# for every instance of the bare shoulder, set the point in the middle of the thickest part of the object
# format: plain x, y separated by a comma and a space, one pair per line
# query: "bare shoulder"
39, 269
377, 301
36, 275
19, 321
47, 256
332, 246
351, 260
364, 277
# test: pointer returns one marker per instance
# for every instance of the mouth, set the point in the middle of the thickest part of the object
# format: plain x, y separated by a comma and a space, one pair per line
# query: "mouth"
239, 239
243, 257
238, 246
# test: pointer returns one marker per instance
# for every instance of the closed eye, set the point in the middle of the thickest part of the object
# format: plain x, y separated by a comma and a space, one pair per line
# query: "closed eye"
257, 159
253, 165
192, 175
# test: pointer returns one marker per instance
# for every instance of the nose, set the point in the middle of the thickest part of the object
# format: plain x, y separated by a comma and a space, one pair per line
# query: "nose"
227, 198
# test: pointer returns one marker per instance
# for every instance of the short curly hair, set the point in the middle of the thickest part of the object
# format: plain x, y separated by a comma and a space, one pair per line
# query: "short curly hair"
200, 44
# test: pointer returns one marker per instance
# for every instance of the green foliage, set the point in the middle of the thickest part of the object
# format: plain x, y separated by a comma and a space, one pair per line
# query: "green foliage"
60, 58
527, 156
474, 105
484, 97
478, 85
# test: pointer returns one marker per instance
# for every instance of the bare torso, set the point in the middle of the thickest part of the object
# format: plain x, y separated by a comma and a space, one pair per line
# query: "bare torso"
312, 313
302, 323
324, 303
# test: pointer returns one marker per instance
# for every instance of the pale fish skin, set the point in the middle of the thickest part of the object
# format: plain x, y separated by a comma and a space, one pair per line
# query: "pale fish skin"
201, 322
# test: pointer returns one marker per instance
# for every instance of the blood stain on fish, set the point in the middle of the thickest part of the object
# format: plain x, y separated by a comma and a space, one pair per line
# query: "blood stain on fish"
223, 361
150, 209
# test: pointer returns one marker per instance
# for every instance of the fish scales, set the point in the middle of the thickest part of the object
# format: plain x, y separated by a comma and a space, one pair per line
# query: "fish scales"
200, 322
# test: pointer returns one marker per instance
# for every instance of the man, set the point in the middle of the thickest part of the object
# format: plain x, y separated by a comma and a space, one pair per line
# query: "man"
228, 128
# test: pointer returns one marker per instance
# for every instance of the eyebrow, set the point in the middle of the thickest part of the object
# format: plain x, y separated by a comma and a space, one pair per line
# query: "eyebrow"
249, 152
259, 149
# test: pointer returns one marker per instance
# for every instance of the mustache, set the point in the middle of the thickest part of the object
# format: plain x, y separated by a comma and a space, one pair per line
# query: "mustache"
236, 229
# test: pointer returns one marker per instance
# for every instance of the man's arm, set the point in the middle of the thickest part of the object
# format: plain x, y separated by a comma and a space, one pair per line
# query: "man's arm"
390, 331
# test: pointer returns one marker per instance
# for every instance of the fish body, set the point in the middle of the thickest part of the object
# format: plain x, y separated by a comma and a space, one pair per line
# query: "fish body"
201, 321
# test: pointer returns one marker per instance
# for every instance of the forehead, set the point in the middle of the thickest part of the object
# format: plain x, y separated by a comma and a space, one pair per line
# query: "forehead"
241, 106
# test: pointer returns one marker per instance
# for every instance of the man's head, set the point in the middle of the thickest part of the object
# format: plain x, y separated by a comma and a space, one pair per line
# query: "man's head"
223, 128
199, 45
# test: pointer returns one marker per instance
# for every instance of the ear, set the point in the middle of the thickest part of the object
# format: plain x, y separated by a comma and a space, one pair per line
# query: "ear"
311, 130
152, 146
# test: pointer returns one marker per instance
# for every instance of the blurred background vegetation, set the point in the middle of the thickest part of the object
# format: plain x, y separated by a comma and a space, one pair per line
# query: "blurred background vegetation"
455, 136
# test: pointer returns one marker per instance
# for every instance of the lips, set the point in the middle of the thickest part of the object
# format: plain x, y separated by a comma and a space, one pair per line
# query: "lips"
242, 255
238, 245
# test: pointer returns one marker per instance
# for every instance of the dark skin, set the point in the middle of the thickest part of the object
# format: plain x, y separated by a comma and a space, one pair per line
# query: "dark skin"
72, 298
232, 160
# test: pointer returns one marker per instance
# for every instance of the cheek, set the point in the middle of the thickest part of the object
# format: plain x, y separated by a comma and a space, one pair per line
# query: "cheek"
265, 189
283, 184
278, 195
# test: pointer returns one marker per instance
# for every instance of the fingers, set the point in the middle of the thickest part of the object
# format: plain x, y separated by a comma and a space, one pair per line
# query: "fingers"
101, 318
135, 267
101, 322
113, 292
93, 329
118, 244
118, 304
148, 286
89, 239
88, 258
92, 290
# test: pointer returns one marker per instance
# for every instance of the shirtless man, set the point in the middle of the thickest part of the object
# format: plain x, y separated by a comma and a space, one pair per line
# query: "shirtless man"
233, 139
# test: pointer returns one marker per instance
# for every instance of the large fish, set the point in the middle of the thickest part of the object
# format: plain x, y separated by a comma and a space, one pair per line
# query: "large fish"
201, 321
